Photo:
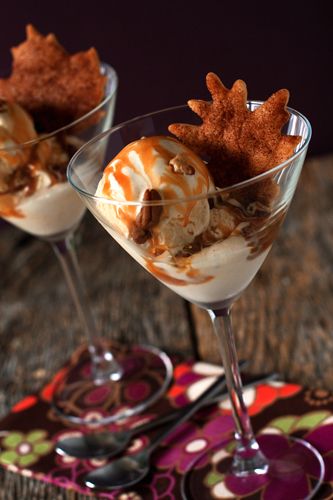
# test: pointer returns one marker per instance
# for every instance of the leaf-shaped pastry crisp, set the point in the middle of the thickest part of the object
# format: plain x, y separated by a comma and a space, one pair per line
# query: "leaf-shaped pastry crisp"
238, 143
54, 86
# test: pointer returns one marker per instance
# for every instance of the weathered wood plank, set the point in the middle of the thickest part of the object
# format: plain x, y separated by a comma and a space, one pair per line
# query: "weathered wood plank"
284, 320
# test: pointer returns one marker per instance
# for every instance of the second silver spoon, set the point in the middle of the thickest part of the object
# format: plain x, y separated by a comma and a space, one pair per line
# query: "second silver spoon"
108, 444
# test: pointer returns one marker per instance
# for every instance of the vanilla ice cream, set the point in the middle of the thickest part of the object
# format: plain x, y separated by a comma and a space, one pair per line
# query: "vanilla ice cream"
32, 196
49, 212
176, 173
198, 248
16, 127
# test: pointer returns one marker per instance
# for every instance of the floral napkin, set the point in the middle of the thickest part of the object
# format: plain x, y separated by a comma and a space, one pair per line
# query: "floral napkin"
28, 435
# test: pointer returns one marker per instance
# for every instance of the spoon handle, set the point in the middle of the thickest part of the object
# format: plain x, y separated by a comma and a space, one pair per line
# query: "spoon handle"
187, 412
177, 414
210, 396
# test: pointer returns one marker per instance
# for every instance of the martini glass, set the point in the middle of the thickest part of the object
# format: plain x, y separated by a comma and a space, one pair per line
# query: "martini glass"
213, 276
87, 389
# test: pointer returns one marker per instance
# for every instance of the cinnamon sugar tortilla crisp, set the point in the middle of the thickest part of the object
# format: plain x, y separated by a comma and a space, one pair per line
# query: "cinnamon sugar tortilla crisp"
54, 86
238, 143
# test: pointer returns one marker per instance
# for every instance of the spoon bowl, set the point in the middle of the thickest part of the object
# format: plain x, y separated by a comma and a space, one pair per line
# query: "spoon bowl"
94, 445
131, 469
122, 473
108, 444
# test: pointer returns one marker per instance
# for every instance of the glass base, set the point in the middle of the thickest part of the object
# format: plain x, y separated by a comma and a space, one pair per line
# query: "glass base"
145, 374
296, 470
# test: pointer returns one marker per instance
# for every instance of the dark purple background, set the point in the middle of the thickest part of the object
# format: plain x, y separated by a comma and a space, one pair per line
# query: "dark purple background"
163, 49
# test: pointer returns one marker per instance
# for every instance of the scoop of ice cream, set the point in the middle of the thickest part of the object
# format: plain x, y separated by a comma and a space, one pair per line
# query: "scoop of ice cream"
171, 171
25, 166
16, 127
16, 123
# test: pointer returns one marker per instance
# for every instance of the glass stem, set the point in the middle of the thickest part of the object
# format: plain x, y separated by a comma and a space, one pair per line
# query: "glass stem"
248, 459
104, 365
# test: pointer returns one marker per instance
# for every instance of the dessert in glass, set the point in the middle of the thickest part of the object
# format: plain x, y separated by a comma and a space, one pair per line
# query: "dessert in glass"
50, 106
200, 213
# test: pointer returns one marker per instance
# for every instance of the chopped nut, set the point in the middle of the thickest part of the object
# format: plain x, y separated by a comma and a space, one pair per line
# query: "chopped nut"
180, 165
20, 178
138, 234
147, 218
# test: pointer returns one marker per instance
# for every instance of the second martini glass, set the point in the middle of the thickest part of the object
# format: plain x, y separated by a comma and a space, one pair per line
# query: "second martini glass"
213, 276
100, 384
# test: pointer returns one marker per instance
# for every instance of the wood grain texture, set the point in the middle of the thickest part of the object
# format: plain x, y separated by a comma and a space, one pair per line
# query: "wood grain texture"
284, 320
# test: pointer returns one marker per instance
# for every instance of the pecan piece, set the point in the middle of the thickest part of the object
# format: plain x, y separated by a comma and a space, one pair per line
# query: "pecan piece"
147, 218
22, 178
180, 165
138, 234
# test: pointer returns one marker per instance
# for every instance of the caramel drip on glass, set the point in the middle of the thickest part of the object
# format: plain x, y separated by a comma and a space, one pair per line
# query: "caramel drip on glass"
8, 207
193, 274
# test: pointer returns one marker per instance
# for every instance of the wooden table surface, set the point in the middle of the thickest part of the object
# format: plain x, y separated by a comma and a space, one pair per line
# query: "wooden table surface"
283, 321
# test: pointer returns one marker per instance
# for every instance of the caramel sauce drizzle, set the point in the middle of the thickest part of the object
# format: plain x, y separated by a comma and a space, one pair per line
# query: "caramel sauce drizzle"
20, 131
8, 207
26, 164
194, 275
261, 234
148, 150
259, 229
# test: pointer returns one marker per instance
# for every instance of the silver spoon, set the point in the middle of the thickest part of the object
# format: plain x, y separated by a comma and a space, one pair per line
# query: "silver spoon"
129, 470
108, 444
